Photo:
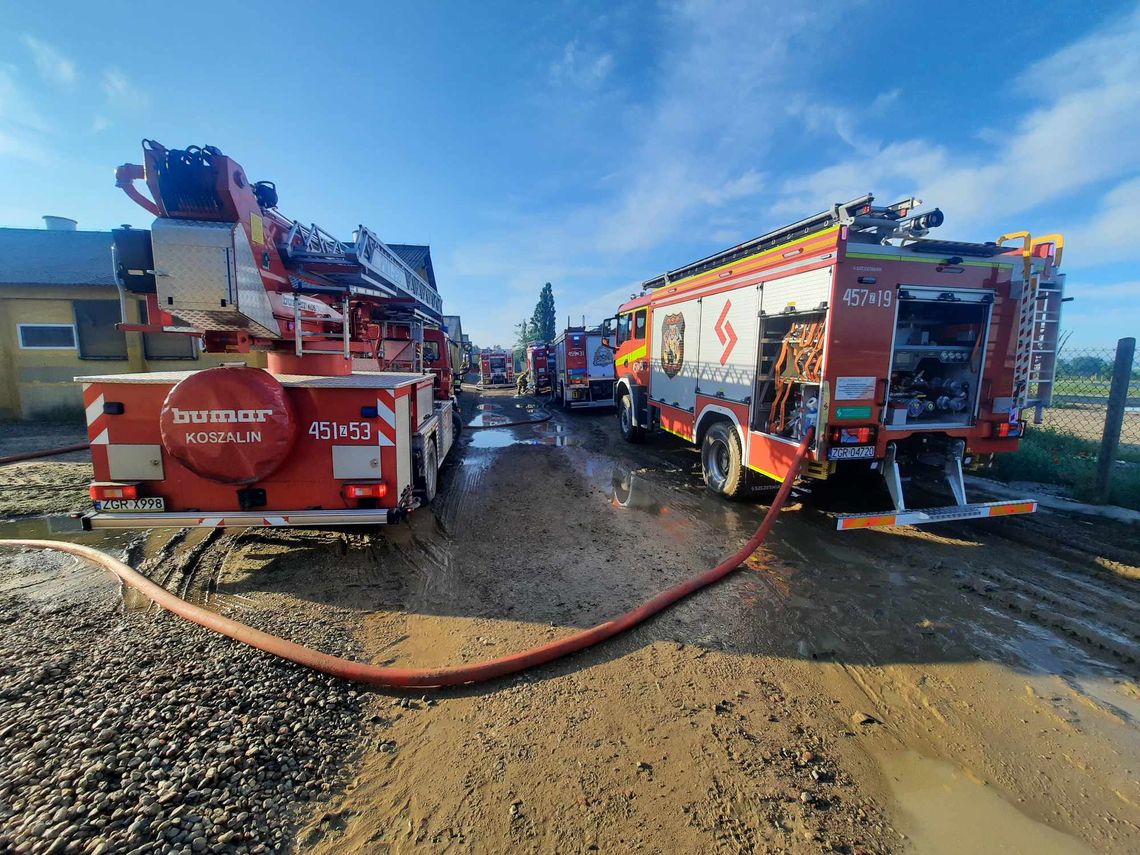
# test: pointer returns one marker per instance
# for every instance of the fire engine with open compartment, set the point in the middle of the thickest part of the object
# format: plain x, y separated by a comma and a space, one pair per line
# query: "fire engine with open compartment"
906, 354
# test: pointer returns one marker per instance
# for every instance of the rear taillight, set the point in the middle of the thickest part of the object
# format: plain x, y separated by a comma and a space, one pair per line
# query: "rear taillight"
851, 435
365, 491
1008, 429
100, 492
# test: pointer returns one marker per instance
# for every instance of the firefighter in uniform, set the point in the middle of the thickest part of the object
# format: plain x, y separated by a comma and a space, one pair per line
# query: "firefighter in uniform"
522, 382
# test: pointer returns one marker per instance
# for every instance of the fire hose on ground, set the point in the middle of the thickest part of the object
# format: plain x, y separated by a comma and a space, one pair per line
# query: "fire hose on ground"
47, 452
424, 678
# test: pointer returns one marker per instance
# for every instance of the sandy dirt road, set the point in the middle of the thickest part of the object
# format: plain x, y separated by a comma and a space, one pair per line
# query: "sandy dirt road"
966, 687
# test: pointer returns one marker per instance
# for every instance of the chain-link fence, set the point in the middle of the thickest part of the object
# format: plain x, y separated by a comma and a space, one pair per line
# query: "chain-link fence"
1080, 398
1088, 439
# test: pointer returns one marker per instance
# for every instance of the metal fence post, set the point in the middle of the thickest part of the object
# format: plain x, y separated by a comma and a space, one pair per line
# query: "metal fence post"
1114, 418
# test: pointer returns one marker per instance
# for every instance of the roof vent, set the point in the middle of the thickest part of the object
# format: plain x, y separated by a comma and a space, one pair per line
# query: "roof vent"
59, 224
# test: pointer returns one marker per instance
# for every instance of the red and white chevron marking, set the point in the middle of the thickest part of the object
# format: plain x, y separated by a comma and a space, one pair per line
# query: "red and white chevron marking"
386, 410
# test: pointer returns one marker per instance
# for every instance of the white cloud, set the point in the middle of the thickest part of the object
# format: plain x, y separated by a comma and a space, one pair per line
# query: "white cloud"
22, 128
581, 67
120, 90
1110, 235
50, 62
1085, 129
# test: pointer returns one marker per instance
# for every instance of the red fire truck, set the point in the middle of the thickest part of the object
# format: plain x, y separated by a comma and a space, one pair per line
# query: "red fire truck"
584, 372
343, 427
540, 366
496, 369
908, 355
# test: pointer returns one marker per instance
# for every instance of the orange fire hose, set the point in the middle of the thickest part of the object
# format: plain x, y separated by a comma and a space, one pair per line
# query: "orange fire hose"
47, 452
423, 678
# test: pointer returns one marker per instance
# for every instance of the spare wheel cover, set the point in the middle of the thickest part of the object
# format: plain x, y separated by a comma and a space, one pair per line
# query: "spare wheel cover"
233, 425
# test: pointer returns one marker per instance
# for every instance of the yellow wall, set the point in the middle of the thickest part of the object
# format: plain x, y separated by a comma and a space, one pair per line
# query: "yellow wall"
39, 384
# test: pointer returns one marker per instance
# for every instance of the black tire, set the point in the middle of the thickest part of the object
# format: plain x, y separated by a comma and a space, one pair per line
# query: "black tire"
429, 477
722, 462
630, 432
456, 422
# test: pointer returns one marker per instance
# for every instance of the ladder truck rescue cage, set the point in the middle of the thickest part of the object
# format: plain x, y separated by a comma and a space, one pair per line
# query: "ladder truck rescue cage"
584, 376
348, 426
911, 356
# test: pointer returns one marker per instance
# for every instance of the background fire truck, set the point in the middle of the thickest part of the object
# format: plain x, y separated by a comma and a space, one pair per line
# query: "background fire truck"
584, 369
540, 365
907, 355
496, 368
343, 428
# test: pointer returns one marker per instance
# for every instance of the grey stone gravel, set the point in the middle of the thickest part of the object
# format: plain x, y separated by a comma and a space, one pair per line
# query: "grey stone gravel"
139, 732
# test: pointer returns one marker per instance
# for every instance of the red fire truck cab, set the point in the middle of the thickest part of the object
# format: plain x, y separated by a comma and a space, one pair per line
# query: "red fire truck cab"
905, 354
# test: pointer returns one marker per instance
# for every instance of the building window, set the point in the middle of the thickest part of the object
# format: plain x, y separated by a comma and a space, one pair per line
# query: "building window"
98, 337
166, 345
47, 336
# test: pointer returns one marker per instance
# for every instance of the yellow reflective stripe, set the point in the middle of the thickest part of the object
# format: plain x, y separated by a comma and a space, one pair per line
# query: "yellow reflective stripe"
750, 258
639, 353
937, 260
771, 475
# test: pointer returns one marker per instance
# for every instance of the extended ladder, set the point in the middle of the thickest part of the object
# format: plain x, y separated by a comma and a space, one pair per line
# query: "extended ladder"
368, 265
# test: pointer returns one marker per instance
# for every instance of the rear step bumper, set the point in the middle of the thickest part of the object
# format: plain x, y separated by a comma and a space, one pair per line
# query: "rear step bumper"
244, 519
936, 515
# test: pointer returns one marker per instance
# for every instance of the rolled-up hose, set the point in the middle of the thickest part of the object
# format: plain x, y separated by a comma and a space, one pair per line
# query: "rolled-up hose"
423, 678
46, 452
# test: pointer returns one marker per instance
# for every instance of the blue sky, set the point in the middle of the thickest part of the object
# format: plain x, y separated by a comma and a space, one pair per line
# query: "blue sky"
596, 144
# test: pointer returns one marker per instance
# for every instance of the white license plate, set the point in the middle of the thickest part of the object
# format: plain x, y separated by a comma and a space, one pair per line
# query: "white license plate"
146, 506
855, 452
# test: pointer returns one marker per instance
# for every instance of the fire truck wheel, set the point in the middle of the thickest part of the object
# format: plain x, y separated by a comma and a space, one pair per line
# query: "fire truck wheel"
722, 462
428, 478
630, 432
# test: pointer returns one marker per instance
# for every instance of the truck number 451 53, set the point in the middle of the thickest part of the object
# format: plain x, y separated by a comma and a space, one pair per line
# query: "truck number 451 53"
857, 298
341, 430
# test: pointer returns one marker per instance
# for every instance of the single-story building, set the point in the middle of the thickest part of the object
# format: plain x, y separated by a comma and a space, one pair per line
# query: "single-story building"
58, 311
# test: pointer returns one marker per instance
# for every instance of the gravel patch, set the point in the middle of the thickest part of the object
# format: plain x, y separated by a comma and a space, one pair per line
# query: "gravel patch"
141, 732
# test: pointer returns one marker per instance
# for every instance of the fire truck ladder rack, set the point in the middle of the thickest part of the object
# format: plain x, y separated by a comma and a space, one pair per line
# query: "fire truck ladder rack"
1039, 325
299, 288
869, 224
367, 266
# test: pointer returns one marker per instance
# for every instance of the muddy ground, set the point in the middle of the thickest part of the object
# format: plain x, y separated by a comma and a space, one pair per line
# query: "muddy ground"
964, 687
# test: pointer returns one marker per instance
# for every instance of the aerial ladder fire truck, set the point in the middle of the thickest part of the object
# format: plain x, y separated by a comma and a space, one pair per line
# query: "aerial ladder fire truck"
347, 425
907, 355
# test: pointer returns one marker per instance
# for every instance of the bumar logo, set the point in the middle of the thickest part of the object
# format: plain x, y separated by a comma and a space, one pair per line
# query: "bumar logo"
673, 344
224, 417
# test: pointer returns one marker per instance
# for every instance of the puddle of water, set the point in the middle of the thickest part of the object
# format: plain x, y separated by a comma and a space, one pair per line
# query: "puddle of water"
498, 438
945, 811
488, 419
65, 528
487, 406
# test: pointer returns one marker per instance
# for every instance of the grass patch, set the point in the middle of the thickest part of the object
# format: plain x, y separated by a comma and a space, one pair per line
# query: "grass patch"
1051, 457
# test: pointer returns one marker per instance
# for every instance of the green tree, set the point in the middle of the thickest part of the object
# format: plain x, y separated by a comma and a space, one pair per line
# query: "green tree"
524, 335
542, 322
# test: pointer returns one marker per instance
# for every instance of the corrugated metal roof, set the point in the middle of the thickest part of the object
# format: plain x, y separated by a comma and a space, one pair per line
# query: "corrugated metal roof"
418, 258
45, 257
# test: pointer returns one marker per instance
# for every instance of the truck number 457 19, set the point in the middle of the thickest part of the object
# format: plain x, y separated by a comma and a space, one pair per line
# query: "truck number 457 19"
341, 430
857, 298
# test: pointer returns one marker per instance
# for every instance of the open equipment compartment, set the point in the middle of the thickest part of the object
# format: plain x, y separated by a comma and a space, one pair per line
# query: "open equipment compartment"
937, 357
